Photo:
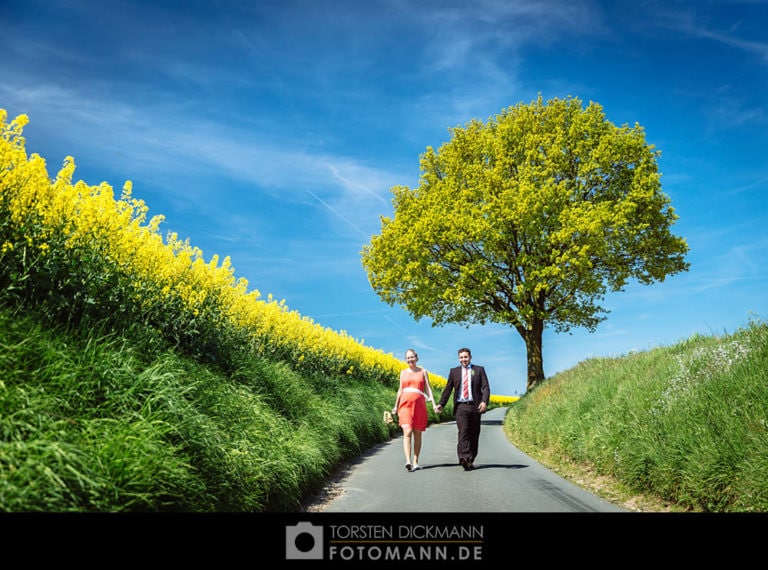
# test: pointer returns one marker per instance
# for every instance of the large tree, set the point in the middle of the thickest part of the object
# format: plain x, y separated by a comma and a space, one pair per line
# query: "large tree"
527, 220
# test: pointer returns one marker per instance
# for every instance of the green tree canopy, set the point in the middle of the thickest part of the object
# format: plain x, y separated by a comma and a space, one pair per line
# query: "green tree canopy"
527, 220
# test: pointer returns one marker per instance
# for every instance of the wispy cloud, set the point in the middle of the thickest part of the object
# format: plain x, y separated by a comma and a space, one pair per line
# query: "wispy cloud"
395, 323
689, 22
756, 48
337, 214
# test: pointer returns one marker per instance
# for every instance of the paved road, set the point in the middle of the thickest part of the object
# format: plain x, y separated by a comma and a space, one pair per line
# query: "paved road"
505, 479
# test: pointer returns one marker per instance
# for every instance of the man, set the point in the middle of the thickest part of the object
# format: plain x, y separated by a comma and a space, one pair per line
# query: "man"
472, 392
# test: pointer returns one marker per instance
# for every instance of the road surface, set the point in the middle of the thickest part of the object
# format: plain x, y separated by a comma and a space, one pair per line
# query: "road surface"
504, 480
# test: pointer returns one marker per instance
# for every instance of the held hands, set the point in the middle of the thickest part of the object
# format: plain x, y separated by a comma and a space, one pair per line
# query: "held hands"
480, 408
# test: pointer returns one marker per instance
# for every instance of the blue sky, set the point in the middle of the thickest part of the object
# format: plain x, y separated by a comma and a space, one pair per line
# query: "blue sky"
272, 132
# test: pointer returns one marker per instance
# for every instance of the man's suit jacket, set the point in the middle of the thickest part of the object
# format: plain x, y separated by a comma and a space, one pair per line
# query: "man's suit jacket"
481, 389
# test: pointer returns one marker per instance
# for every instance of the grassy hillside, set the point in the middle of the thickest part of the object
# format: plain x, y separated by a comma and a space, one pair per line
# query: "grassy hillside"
99, 423
682, 428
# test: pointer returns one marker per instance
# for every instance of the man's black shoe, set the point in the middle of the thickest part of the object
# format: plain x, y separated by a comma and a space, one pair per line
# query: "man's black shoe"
465, 464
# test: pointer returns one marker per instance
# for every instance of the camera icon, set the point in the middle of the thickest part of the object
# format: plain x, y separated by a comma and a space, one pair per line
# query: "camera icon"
304, 541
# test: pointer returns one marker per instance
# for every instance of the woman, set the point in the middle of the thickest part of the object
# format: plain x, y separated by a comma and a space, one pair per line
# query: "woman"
411, 407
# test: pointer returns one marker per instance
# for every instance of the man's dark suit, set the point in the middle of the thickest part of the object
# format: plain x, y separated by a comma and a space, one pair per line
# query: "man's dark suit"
467, 415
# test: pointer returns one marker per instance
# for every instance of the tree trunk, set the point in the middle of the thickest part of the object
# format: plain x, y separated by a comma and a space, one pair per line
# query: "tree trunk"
533, 339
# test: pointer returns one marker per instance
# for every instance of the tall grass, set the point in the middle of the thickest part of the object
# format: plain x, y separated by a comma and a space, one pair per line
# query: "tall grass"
686, 423
101, 423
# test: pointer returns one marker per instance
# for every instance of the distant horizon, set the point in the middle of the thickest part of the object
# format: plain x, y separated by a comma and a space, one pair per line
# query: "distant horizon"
272, 133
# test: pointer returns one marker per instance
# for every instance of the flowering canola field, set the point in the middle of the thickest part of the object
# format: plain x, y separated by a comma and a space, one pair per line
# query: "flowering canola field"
82, 254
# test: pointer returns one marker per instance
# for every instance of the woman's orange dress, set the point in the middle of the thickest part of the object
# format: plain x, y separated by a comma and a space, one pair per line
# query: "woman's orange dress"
413, 405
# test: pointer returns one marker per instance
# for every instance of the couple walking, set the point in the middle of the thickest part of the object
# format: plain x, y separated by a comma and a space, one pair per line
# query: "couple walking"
471, 394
